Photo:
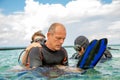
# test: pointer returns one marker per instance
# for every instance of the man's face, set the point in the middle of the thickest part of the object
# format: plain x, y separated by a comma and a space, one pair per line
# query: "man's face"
56, 39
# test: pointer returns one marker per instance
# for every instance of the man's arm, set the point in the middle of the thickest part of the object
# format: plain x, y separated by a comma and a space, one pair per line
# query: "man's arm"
107, 54
65, 61
25, 55
34, 57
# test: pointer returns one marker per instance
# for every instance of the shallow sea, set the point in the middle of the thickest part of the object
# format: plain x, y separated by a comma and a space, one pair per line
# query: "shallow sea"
10, 69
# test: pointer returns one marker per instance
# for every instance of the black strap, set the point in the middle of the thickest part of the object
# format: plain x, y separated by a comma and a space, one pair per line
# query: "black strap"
20, 57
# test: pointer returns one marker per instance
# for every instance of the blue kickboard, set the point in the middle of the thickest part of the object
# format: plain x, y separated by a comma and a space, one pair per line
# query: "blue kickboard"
92, 54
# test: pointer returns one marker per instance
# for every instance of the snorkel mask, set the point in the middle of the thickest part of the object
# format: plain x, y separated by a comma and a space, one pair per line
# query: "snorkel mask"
40, 40
77, 47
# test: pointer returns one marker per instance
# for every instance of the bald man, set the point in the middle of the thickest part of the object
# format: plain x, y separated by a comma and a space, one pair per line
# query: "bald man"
51, 53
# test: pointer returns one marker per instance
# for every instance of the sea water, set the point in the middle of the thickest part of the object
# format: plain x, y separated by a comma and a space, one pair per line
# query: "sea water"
10, 69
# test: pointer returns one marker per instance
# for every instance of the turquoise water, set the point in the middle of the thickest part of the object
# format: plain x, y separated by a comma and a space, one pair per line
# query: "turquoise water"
10, 69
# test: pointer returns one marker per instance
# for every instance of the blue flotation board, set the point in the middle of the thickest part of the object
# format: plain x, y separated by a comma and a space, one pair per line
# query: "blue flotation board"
92, 54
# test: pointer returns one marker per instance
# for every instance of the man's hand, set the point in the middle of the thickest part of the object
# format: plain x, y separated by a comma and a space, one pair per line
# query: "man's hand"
34, 44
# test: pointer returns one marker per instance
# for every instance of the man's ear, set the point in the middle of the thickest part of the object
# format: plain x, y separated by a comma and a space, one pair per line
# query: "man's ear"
82, 50
48, 34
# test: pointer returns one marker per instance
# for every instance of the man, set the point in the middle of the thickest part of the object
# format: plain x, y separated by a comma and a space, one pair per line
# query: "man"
51, 53
37, 38
81, 43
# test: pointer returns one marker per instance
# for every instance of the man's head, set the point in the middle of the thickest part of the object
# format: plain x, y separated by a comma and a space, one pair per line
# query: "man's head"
81, 42
55, 36
38, 36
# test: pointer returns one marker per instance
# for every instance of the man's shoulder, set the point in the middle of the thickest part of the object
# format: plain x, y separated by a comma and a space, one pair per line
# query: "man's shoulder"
63, 49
